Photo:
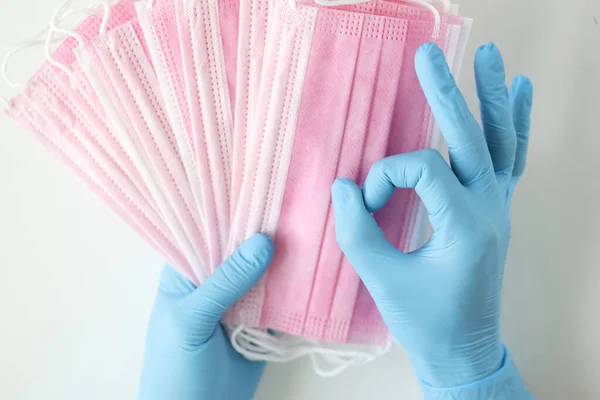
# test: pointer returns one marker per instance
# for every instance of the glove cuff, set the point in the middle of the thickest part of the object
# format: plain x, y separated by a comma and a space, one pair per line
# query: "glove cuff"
506, 383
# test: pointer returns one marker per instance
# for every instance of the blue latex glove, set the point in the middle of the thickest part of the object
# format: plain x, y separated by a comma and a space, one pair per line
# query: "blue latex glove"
188, 355
442, 302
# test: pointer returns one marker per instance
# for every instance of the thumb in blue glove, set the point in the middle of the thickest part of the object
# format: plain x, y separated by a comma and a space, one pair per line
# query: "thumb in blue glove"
188, 354
442, 302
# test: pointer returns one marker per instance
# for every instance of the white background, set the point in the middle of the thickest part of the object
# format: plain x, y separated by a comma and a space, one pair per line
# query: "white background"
76, 285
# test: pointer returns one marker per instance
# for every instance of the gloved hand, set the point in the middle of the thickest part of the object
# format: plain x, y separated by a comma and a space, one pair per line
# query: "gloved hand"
188, 355
442, 302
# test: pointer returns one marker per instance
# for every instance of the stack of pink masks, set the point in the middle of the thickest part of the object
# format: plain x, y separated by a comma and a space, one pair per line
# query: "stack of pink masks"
202, 122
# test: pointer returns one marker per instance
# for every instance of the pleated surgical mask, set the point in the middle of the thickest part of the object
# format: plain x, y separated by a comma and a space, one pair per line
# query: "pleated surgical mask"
61, 110
403, 219
253, 20
118, 67
209, 106
199, 133
354, 71
159, 25
346, 74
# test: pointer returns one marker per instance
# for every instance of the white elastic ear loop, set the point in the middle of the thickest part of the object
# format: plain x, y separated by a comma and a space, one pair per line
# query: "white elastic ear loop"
34, 41
257, 345
447, 5
58, 14
436, 15
9, 55
54, 27
4, 102
104, 25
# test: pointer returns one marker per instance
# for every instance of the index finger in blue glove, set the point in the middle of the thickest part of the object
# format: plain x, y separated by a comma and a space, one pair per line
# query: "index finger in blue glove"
357, 233
425, 171
469, 155
230, 281
496, 115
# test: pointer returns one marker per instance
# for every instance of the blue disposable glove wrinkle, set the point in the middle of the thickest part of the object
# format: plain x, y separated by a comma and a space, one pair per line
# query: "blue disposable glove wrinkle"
188, 354
442, 301
505, 383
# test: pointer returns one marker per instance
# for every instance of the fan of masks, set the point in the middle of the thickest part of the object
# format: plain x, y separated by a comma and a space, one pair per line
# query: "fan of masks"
202, 122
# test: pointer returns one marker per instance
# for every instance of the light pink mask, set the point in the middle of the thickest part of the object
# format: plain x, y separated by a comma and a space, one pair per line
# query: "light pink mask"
148, 126
209, 107
403, 219
349, 71
65, 115
253, 20
320, 65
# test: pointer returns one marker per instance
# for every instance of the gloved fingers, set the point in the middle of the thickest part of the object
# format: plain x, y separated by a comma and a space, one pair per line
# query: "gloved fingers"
496, 114
357, 232
469, 155
232, 280
174, 285
521, 96
428, 173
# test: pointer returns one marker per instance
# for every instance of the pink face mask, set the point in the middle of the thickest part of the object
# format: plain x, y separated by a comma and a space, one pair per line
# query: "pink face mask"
209, 107
253, 20
62, 111
402, 219
350, 70
118, 68
148, 125
320, 65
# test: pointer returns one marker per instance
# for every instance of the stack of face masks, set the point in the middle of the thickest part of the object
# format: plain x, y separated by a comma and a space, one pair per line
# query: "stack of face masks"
202, 122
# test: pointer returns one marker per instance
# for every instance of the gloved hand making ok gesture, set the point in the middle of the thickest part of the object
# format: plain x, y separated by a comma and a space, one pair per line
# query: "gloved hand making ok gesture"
442, 302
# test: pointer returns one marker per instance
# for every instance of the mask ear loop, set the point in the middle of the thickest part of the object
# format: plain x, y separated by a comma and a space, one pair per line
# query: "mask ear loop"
107, 8
257, 345
11, 52
35, 41
4, 102
447, 5
55, 28
436, 15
